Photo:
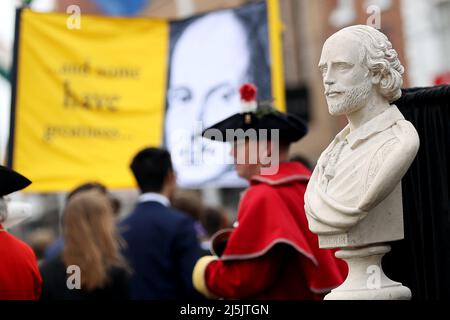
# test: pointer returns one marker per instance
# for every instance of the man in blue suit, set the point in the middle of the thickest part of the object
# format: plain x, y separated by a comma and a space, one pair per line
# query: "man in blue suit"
162, 247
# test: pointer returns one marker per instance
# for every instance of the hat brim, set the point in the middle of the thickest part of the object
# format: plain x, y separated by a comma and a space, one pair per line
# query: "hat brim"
290, 128
11, 181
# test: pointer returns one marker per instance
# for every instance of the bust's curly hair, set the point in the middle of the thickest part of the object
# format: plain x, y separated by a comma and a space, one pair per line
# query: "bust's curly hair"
381, 59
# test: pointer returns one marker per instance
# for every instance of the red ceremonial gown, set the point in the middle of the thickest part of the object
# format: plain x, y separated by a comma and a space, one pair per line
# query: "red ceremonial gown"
272, 254
19, 274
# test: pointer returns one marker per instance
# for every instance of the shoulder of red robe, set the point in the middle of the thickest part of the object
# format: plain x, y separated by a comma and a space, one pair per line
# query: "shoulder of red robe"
263, 211
287, 172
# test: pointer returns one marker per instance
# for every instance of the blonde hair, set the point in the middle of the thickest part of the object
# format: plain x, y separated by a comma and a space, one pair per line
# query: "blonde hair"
91, 239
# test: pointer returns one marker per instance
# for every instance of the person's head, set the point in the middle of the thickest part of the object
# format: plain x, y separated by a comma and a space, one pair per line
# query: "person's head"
115, 203
358, 64
188, 201
10, 181
214, 219
3, 210
152, 169
252, 155
85, 187
91, 240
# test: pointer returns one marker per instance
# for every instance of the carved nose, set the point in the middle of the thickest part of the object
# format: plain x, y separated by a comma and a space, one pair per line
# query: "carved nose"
329, 81
328, 77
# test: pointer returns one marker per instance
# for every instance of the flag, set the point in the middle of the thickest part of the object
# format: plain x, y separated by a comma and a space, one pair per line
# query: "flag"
89, 92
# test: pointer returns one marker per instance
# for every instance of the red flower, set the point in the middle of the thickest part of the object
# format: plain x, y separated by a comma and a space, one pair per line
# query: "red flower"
248, 92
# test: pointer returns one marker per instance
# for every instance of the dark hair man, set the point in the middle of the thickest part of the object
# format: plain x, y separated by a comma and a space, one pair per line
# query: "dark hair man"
162, 246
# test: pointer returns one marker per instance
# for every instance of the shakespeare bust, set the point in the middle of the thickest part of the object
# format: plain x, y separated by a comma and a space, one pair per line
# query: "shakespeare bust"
353, 199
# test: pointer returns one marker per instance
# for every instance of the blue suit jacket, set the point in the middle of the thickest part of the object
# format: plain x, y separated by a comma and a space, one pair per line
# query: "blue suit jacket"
162, 249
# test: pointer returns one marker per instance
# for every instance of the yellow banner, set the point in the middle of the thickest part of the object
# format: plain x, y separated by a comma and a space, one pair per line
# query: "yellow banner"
91, 91
87, 98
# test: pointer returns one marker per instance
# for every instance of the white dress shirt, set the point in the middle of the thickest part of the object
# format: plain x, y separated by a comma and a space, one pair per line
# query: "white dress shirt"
153, 196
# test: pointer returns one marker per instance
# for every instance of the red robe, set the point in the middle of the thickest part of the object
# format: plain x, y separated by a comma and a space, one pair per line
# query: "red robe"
20, 278
272, 254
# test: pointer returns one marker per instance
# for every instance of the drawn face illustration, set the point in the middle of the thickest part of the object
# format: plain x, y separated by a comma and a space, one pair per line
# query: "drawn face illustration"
209, 62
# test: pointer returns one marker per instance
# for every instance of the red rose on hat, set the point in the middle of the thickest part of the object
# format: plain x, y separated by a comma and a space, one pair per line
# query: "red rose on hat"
248, 92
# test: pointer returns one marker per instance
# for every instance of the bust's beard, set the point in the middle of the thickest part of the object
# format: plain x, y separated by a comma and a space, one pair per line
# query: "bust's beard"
352, 100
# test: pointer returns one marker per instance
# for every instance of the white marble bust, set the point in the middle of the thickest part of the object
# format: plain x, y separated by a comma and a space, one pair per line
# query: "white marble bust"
354, 195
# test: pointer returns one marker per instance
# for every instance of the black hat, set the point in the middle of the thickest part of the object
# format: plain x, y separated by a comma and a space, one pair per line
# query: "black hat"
11, 181
259, 115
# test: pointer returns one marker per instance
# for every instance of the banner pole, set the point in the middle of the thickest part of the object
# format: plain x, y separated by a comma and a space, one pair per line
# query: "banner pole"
13, 77
276, 54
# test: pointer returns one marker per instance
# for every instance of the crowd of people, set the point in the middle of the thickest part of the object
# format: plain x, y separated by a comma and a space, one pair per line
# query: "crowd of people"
148, 255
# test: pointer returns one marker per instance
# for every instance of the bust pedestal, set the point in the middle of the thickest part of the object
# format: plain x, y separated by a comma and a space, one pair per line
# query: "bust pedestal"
366, 279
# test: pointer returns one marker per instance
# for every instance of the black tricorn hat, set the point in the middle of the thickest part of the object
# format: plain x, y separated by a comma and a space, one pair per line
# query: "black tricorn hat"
258, 115
11, 181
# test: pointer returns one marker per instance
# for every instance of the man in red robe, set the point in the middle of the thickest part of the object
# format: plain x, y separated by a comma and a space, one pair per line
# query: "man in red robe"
271, 253
19, 274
